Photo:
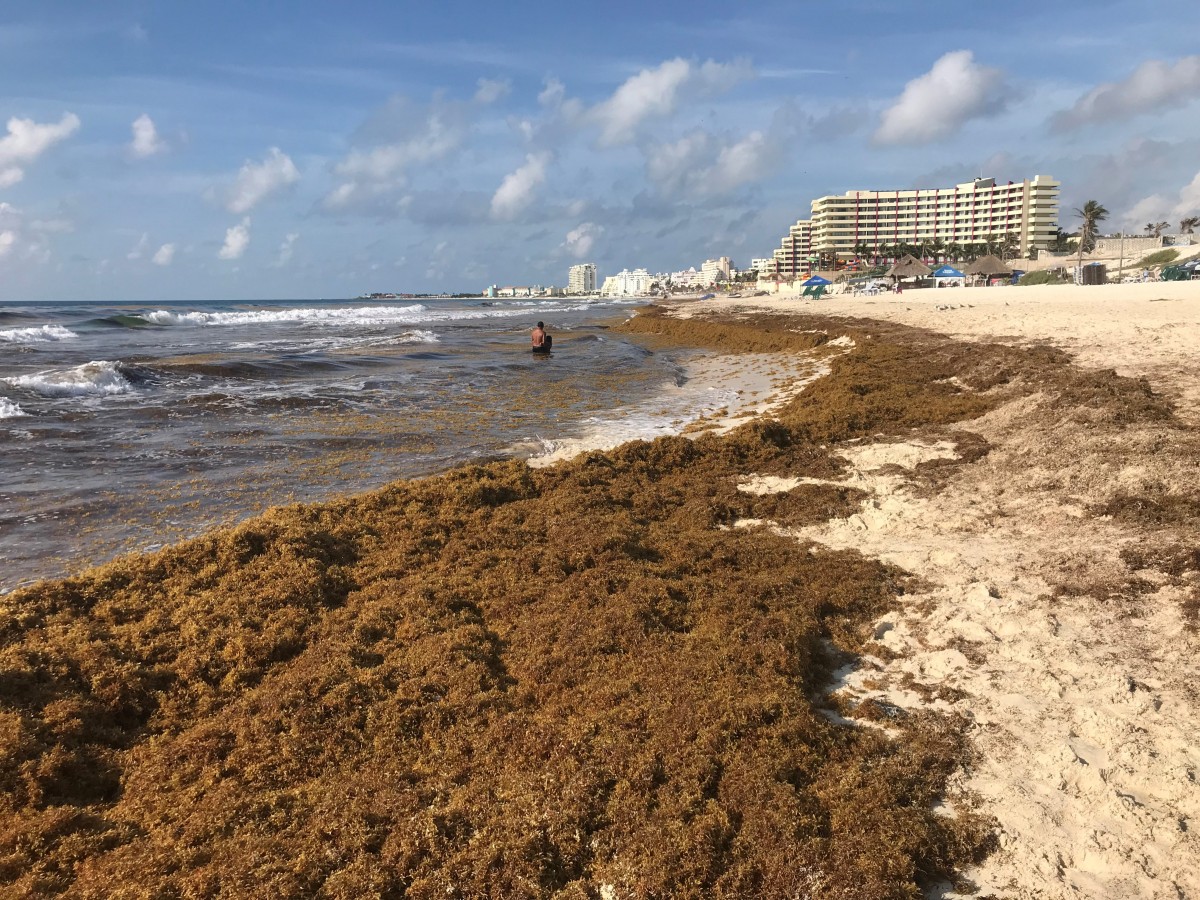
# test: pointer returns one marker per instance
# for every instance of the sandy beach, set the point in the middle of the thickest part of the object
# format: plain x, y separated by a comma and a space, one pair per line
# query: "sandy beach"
1062, 630
916, 613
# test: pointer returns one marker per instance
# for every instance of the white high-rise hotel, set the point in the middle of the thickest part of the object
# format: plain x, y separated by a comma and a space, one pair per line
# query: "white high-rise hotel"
975, 212
581, 279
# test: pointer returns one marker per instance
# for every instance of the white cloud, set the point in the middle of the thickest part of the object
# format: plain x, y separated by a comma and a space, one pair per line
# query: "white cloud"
237, 239
257, 181
492, 90
397, 138
140, 248
1153, 85
28, 240
26, 141
519, 187
581, 240
286, 249
553, 93
164, 255
656, 94
1159, 207
940, 102
702, 165
146, 141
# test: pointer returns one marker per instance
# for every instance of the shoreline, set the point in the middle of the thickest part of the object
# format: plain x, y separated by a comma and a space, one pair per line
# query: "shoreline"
661, 571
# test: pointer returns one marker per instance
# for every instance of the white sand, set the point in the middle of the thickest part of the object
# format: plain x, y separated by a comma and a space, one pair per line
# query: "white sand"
1138, 329
1082, 704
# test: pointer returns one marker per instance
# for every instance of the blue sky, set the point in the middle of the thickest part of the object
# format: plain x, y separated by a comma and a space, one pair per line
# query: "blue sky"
259, 150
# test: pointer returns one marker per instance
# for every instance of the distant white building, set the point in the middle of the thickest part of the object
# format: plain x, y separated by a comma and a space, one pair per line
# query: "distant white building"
715, 270
627, 284
687, 278
581, 279
763, 266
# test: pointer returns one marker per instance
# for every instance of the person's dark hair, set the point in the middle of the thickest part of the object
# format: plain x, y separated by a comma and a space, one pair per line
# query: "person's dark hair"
541, 325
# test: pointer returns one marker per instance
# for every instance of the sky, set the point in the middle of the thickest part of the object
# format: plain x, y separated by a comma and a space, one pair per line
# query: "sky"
170, 151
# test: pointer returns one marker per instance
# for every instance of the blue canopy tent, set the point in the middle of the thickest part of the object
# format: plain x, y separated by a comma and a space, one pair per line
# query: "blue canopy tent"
947, 272
948, 275
815, 286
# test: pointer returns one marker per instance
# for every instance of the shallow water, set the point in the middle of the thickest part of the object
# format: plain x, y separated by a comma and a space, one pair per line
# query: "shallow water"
124, 427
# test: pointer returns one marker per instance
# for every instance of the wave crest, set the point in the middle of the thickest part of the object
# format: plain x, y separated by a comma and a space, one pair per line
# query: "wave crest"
39, 334
362, 315
99, 378
10, 410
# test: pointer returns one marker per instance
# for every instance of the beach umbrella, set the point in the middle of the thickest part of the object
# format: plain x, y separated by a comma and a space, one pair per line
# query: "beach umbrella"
815, 281
947, 272
987, 265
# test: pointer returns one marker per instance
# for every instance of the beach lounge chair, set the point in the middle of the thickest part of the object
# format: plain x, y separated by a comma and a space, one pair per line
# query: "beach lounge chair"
808, 292
818, 291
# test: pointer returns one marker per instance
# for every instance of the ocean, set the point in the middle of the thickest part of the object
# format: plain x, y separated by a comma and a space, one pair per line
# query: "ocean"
124, 427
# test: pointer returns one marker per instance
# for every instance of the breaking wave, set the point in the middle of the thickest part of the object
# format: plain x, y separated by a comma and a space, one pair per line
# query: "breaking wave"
10, 410
94, 379
37, 335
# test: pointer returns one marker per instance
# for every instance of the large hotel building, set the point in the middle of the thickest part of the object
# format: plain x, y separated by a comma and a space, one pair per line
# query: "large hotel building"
971, 213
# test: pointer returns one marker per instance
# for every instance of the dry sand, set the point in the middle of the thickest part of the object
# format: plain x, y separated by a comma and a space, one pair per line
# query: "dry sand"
1077, 676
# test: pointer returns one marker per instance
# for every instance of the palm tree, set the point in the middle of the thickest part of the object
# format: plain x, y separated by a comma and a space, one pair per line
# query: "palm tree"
1188, 225
1091, 215
1160, 227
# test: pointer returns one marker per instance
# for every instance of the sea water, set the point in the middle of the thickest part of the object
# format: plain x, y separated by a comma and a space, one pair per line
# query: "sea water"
125, 427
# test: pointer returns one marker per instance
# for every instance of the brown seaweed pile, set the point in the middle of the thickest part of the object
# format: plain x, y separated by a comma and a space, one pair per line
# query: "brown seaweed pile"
575, 682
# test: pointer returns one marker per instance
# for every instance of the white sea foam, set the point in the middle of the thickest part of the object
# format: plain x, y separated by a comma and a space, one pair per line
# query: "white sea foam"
417, 337
95, 379
329, 343
40, 334
10, 410
415, 314
723, 391
362, 315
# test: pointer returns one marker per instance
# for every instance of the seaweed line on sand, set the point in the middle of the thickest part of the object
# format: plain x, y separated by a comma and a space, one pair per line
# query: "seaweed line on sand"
579, 681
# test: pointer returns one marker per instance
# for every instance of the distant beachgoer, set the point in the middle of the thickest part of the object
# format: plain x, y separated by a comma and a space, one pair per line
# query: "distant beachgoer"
539, 335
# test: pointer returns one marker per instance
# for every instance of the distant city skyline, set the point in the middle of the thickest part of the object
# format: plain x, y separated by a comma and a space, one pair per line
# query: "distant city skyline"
157, 152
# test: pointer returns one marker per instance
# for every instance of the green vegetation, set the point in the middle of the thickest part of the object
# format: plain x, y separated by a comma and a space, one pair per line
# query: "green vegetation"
1043, 277
1158, 258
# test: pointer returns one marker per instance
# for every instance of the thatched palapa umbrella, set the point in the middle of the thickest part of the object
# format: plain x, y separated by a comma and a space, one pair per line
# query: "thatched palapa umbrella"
909, 267
988, 266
